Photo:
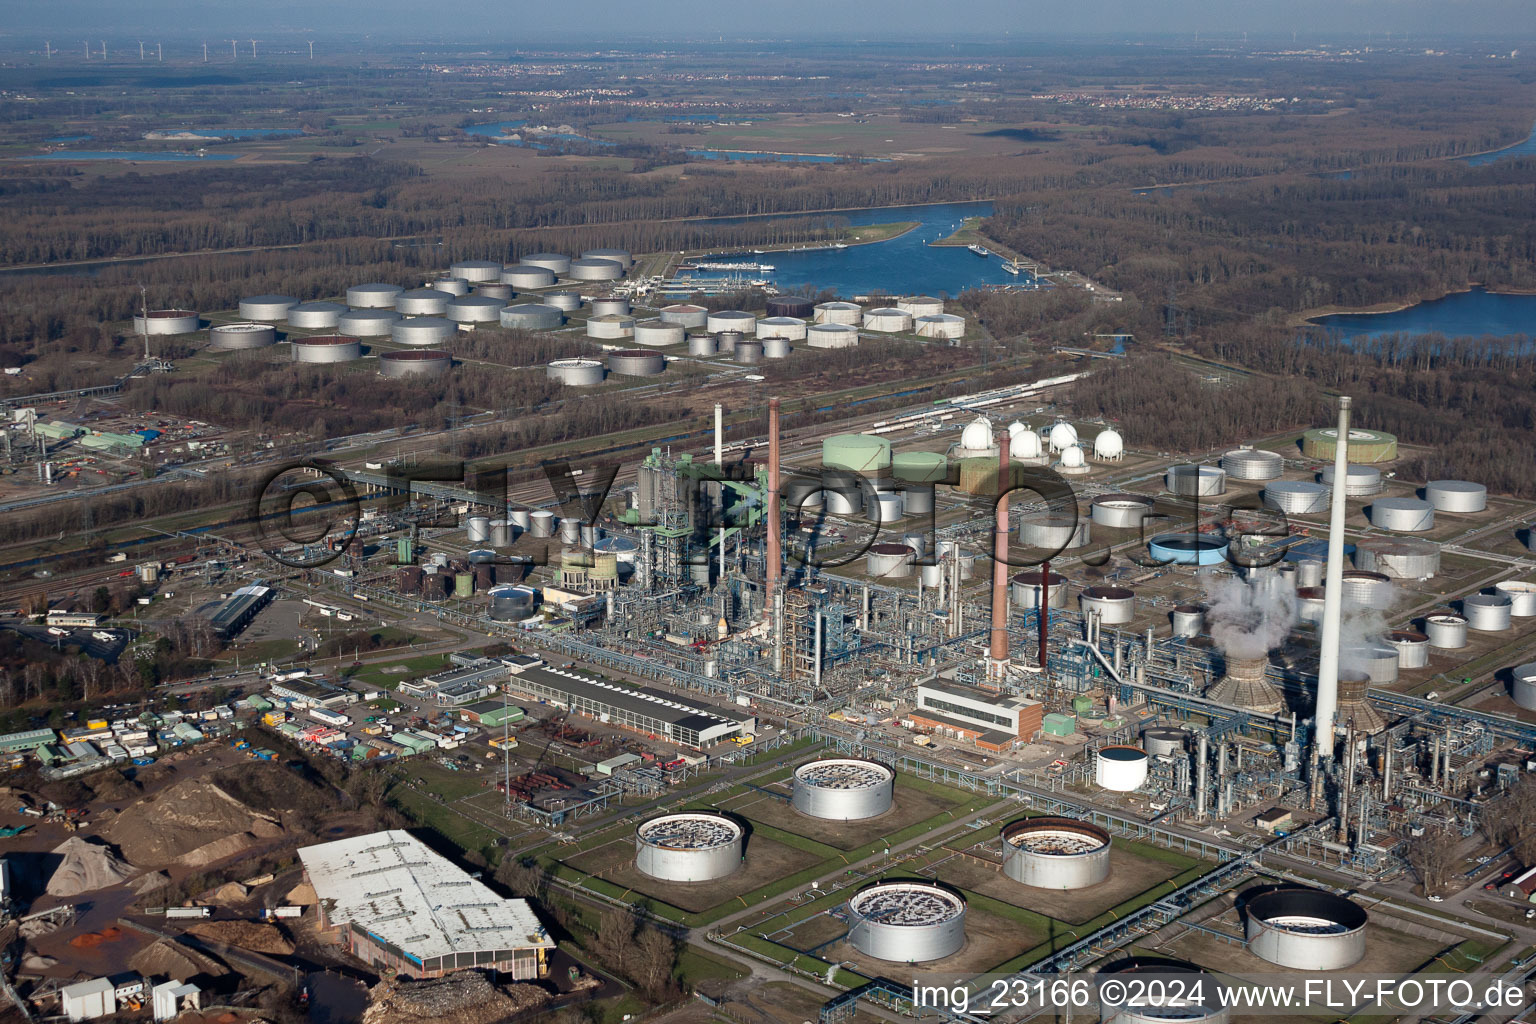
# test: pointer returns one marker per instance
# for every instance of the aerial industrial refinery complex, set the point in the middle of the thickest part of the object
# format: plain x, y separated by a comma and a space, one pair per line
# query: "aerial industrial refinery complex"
970, 684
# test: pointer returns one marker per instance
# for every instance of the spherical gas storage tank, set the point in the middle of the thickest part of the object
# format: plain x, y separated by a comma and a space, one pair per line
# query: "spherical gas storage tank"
367, 323
1055, 853
422, 362
1115, 606
610, 327
606, 305
267, 307
906, 922
1187, 549
791, 305
531, 316
636, 363
1120, 768
423, 331
1403, 558
451, 285
1120, 511
731, 320
423, 302
1523, 686
620, 256
576, 372
939, 325
326, 348
658, 333
1460, 496
1359, 481
685, 315
1365, 446
860, 453
373, 295
162, 322
475, 271
476, 309
1305, 929
1296, 497
596, 270
567, 302
316, 316
920, 305
790, 328
887, 320
847, 313
1024, 589
1252, 464
550, 261
832, 336
1190, 481
698, 846
241, 336
1402, 515
524, 277
843, 789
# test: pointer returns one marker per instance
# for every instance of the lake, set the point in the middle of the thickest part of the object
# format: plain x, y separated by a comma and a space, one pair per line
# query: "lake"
1476, 313
1526, 148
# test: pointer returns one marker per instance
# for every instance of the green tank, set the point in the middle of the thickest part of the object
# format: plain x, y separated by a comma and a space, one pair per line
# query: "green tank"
1057, 724
919, 467
464, 585
405, 553
861, 453
1082, 705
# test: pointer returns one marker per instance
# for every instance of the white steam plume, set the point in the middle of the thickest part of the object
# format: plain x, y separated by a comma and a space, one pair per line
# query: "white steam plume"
1248, 620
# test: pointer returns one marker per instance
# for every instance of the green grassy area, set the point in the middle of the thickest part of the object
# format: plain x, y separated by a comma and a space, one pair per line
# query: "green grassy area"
420, 665
968, 233
694, 967
880, 232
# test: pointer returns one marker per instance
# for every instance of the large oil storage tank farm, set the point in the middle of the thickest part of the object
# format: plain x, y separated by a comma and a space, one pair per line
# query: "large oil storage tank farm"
685, 315
1402, 515
475, 309
1055, 853
423, 302
1523, 686
423, 331
267, 307
367, 323
791, 328
576, 372
1359, 481
847, 313
551, 261
859, 453
595, 270
1121, 511
532, 316
1305, 929
939, 325
326, 348
374, 295
1190, 481
161, 322
920, 305
697, 846
636, 363
1368, 446
241, 336
731, 320
1252, 464
887, 320
843, 789
906, 922
1403, 558
791, 305
832, 336
1296, 497
658, 333
1455, 495
476, 271
525, 276
1120, 768
316, 316
1160, 990
424, 362
610, 327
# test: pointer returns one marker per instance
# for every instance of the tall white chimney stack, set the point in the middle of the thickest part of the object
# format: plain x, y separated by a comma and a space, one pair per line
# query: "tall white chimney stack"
1333, 599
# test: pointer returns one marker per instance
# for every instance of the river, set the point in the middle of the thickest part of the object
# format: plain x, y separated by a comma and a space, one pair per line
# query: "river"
1476, 313
1526, 148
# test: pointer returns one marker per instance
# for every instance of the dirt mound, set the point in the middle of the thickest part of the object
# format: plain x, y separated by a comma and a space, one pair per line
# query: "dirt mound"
302, 895
185, 818
464, 997
251, 935
86, 867
229, 892
217, 850
171, 960
90, 940
150, 882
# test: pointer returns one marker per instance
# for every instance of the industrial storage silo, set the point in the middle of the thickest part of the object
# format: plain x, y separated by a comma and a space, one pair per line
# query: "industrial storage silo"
422, 302
475, 271
658, 333
731, 320
595, 270
689, 847
475, 309
367, 323
315, 316
164, 322
231, 337
1055, 853
1305, 929
832, 336
267, 307
843, 789
524, 277
1120, 768
576, 372
326, 348
425, 362
906, 922
373, 296
423, 331
532, 316
685, 315
550, 261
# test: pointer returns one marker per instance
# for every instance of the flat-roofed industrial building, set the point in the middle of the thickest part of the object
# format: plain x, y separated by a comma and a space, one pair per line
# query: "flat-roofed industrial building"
992, 721
685, 720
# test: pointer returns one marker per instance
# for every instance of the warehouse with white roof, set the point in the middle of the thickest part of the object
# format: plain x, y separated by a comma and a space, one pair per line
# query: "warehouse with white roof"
393, 903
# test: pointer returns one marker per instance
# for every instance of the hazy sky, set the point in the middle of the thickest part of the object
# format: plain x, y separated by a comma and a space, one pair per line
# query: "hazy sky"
500, 21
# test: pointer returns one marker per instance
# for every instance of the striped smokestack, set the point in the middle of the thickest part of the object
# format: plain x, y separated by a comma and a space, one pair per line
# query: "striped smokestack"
773, 495
1000, 560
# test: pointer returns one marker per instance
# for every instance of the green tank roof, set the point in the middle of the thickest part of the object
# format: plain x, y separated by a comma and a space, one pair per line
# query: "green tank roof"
919, 467
862, 453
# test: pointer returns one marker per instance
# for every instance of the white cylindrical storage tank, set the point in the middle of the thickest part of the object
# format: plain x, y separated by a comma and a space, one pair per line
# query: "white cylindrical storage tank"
541, 523
1024, 589
502, 534
791, 328
889, 561
775, 348
883, 507
423, 331
478, 530
608, 306
267, 307
610, 327
748, 351
939, 325
566, 302
843, 789
532, 316
1453, 495
906, 922
1446, 631
550, 261
1359, 481
731, 320
422, 302
1412, 648
916, 500
475, 309
697, 846
1160, 990
163, 322
1367, 589
424, 362
848, 313
701, 345
326, 348
1115, 606
619, 256
373, 296
1054, 531
1523, 686
570, 533
241, 336
832, 336
685, 315
1195, 481
1305, 929
595, 270
931, 575
1253, 464
367, 323
1378, 660
637, 363
1055, 853
315, 316
1403, 558
1487, 613
1402, 515
658, 333
1188, 620
848, 502
452, 285
1522, 597
1309, 572
476, 271
521, 518
1120, 768
1164, 740
495, 291
582, 373
1121, 511
526, 277
887, 320
1309, 604
1296, 497
920, 305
